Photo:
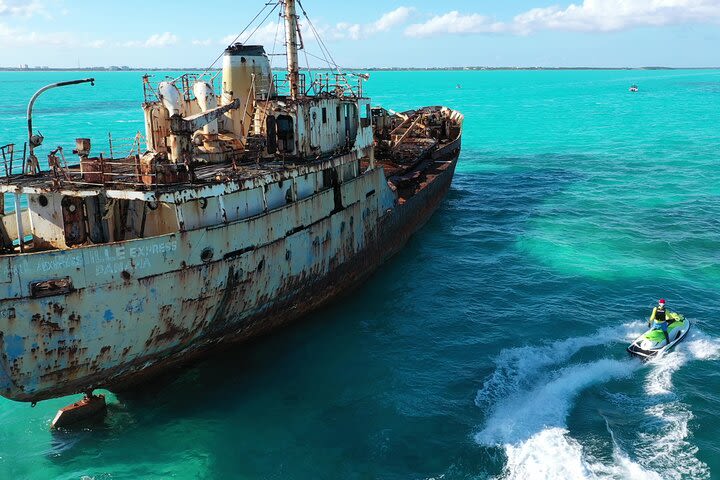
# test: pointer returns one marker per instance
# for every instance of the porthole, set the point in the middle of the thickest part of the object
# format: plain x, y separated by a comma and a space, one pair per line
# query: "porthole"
207, 254
43, 201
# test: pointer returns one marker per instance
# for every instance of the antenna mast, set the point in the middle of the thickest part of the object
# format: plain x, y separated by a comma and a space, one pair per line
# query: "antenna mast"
291, 44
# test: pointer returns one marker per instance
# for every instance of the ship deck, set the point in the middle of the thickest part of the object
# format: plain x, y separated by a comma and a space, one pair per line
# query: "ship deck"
126, 176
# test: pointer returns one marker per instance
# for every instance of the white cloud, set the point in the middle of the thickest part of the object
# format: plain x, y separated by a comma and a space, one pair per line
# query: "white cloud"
609, 15
20, 8
18, 37
454, 22
270, 34
356, 31
588, 16
392, 19
345, 30
156, 40
161, 40
227, 39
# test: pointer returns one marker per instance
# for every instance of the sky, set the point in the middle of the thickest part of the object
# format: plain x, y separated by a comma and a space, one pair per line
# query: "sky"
373, 33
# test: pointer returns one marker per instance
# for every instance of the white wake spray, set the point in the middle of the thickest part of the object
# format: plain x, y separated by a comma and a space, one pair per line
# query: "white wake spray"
666, 444
516, 369
697, 346
548, 403
529, 398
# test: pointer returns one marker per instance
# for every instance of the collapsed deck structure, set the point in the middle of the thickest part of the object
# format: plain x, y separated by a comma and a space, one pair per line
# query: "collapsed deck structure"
253, 203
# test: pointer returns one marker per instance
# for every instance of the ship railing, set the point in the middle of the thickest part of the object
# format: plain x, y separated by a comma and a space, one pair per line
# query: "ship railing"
334, 84
282, 84
122, 169
338, 84
109, 173
12, 163
131, 145
184, 84
150, 94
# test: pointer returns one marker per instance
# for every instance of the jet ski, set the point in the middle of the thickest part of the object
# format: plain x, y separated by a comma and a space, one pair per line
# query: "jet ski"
652, 342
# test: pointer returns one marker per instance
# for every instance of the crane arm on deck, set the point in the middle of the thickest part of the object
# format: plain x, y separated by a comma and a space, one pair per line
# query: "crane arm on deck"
187, 125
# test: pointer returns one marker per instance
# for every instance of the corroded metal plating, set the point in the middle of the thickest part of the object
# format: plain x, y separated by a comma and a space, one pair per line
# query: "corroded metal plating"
238, 219
165, 299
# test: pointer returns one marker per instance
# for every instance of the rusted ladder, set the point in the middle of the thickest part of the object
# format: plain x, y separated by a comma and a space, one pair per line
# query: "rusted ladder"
418, 117
401, 126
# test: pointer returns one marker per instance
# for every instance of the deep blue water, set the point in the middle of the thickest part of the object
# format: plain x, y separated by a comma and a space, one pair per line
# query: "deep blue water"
493, 345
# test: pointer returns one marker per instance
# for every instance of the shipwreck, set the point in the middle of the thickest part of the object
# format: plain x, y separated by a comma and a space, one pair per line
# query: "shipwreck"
256, 197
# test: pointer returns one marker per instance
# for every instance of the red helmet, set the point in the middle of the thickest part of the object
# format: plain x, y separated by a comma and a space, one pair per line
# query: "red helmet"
662, 301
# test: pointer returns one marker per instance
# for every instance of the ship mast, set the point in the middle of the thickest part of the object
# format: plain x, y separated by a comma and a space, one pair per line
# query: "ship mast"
291, 44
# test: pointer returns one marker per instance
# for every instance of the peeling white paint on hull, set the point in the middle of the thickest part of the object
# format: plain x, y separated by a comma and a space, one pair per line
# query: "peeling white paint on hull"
135, 308
254, 200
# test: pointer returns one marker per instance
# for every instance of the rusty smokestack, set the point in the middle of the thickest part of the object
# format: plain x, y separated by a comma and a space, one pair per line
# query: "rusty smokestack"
246, 76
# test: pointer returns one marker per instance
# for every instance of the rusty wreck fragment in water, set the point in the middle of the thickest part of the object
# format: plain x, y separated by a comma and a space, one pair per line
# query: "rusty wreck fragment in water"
255, 202
89, 408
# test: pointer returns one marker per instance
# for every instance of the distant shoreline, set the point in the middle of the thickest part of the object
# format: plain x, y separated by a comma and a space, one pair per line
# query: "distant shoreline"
369, 69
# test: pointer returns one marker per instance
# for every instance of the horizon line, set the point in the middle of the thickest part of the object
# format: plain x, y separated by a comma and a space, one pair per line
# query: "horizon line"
125, 68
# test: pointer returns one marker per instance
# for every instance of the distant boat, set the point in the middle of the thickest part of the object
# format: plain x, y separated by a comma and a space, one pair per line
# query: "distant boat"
633, 88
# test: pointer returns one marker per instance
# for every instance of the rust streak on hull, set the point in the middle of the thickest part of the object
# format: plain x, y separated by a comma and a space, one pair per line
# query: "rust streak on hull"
223, 318
252, 205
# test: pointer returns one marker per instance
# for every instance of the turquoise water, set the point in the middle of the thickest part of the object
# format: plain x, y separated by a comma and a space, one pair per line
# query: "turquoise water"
493, 345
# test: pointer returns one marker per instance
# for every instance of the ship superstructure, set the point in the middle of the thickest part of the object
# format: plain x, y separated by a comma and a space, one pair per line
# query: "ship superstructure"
254, 202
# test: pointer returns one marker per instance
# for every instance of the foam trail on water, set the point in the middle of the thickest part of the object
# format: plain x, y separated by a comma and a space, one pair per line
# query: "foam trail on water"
529, 399
549, 402
659, 380
515, 368
666, 444
531, 426
553, 455
549, 454
697, 346
701, 346
624, 467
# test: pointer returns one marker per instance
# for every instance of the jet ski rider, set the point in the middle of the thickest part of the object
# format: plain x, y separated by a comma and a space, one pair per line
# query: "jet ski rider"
659, 319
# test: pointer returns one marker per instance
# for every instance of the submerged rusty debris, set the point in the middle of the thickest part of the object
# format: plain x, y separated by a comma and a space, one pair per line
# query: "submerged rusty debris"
90, 407
253, 202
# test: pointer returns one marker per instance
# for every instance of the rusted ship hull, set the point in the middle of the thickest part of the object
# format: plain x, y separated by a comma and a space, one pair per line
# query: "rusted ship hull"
161, 311
253, 202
